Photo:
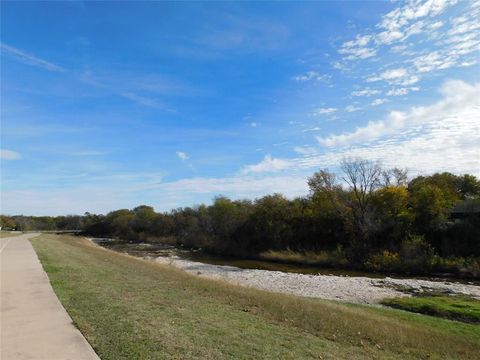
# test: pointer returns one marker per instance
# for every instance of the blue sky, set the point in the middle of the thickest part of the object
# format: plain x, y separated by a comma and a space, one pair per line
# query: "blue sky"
108, 105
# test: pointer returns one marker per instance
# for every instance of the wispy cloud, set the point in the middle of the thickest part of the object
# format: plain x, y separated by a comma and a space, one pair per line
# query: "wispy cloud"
440, 43
305, 150
324, 111
268, 164
399, 76
410, 18
378, 102
9, 155
142, 100
352, 108
358, 48
182, 155
458, 97
401, 91
237, 187
366, 92
29, 59
312, 76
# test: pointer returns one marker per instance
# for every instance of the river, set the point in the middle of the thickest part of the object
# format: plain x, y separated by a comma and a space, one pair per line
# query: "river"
153, 251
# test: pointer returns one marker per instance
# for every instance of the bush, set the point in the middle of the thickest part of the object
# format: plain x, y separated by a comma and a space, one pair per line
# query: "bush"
334, 258
416, 254
384, 261
465, 267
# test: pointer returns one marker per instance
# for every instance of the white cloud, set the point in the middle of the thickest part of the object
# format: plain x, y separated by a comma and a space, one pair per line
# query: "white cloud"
374, 130
401, 91
358, 49
323, 111
237, 187
399, 76
412, 17
389, 75
387, 37
9, 155
304, 150
253, 124
440, 44
29, 59
442, 136
460, 102
464, 24
366, 92
316, 128
339, 66
102, 198
312, 75
403, 16
358, 53
436, 25
182, 155
433, 61
377, 102
352, 108
399, 48
268, 164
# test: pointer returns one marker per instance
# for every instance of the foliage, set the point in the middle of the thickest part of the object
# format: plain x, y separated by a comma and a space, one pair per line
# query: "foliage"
7, 222
371, 212
384, 261
333, 258
416, 254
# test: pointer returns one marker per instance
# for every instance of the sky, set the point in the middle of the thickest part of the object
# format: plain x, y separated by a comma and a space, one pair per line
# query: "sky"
109, 105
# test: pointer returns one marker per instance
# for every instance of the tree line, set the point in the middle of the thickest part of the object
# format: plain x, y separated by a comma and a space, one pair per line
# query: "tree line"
366, 217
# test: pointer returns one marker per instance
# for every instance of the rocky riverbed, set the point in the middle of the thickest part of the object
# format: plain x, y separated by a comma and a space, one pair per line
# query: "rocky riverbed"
362, 290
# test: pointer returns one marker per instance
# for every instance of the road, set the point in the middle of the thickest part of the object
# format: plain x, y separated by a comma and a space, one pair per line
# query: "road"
33, 322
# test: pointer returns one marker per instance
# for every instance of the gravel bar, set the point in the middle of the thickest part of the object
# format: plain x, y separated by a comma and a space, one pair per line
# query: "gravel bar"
360, 290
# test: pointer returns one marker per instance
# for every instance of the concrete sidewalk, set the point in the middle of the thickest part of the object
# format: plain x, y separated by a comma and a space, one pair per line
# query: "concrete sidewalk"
33, 322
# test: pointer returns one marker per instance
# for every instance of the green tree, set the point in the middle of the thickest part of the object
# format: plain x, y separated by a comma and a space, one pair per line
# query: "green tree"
7, 222
430, 206
393, 215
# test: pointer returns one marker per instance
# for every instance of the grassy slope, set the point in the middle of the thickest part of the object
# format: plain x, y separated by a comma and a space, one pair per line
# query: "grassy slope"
133, 309
451, 307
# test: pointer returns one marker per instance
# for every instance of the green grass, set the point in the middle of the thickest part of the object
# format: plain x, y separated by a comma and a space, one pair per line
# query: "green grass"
129, 308
450, 307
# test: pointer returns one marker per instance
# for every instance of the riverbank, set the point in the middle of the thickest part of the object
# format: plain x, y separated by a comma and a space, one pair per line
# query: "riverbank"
129, 308
293, 262
360, 290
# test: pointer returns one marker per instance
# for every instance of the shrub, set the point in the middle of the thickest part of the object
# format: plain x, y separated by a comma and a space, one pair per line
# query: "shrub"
384, 261
416, 254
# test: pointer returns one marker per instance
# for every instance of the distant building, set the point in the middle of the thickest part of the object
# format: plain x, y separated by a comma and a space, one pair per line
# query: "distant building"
465, 209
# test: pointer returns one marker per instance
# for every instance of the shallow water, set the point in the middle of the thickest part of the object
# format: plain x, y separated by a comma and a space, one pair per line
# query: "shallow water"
151, 251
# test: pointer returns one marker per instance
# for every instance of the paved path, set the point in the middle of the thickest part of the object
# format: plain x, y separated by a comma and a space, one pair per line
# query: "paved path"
33, 322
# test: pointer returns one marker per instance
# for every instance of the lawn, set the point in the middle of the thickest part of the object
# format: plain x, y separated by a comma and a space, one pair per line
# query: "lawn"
450, 307
129, 308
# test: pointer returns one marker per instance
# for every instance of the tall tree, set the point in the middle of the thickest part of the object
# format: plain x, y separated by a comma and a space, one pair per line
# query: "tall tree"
363, 178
